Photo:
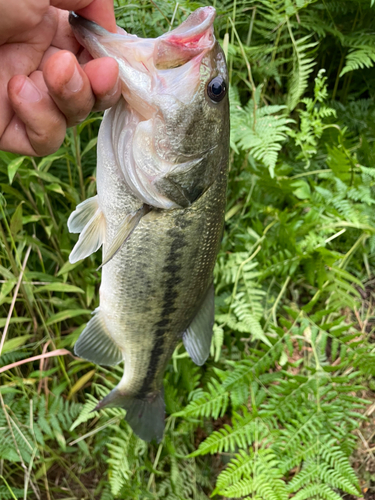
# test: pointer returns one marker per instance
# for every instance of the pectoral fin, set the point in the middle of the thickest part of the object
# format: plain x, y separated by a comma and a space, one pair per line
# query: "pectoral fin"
95, 343
126, 228
88, 220
197, 338
90, 239
82, 214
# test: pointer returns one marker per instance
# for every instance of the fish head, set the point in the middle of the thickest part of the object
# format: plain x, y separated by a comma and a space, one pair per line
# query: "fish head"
176, 87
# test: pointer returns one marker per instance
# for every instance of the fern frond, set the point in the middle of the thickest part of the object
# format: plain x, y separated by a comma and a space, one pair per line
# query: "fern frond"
86, 412
238, 467
119, 469
303, 65
209, 404
245, 429
262, 478
260, 130
317, 491
360, 57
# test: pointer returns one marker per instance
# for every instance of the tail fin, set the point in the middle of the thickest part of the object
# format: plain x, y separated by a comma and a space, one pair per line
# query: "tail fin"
145, 416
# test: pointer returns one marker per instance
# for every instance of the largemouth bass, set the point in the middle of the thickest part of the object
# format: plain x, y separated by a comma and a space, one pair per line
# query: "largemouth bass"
159, 211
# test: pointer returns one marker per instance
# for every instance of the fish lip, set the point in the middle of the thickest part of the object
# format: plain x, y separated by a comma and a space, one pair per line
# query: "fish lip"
195, 33
77, 21
86, 31
195, 25
203, 17
191, 40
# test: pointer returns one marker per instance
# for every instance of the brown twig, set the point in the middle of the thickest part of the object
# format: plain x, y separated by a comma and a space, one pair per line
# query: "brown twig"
57, 352
41, 367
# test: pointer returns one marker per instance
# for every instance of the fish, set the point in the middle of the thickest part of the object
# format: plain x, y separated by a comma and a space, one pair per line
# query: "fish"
162, 167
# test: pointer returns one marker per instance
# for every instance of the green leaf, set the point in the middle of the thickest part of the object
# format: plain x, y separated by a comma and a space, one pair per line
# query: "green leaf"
89, 146
6, 288
67, 267
64, 315
13, 166
13, 321
301, 189
55, 188
16, 220
14, 344
58, 287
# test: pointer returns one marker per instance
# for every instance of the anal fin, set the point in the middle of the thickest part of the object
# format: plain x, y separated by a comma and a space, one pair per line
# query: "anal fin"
197, 337
95, 343
145, 416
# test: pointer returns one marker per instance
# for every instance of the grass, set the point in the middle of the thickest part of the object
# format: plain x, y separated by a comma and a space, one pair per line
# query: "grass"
284, 406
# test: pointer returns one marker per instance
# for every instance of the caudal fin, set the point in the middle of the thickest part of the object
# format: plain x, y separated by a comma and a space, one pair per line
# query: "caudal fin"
145, 416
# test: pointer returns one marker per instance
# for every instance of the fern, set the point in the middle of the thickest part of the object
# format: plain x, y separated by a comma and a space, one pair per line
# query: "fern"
243, 432
313, 120
274, 413
258, 129
310, 411
119, 468
359, 57
303, 65
7, 493
262, 477
213, 402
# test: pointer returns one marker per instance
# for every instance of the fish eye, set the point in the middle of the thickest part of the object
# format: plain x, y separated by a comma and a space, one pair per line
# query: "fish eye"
216, 89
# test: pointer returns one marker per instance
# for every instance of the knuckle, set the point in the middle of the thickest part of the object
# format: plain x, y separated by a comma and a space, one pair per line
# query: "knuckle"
47, 141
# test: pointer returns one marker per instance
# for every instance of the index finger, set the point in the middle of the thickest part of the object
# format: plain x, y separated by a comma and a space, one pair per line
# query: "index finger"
100, 11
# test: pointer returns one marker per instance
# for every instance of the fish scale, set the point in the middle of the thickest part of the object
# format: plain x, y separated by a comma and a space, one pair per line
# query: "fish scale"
159, 211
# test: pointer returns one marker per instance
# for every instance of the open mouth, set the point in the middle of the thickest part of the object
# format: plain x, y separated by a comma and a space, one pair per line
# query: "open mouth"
193, 37
173, 49
143, 61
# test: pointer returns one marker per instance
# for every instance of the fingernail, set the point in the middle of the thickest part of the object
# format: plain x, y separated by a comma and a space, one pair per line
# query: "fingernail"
76, 82
115, 89
29, 91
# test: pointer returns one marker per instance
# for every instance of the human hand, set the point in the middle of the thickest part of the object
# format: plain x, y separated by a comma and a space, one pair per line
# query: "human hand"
43, 88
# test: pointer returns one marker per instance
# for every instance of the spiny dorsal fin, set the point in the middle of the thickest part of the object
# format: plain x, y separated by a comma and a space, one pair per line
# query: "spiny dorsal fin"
126, 228
197, 338
95, 343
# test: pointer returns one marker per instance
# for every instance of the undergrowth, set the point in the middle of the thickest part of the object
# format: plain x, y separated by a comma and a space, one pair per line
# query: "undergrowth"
276, 411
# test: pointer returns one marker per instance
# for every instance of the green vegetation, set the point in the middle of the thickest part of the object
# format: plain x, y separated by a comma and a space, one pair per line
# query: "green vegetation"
277, 411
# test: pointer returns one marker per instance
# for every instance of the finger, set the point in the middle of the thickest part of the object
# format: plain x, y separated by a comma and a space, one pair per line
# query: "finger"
69, 86
84, 57
70, 4
15, 20
101, 12
38, 127
103, 74
64, 37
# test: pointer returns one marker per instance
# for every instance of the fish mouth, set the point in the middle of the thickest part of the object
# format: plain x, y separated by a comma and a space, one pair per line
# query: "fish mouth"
173, 49
152, 67
193, 37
